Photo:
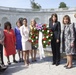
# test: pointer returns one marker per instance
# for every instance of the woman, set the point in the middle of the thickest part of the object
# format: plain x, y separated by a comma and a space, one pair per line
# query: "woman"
34, 49
18, 40
68, 40
55, 26
1, 44
9, 42
26, 45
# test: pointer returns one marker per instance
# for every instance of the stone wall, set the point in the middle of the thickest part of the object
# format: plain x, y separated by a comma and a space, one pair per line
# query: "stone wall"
41, 16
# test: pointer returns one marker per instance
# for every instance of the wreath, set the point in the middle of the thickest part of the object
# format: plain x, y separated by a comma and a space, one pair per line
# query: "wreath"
47, 35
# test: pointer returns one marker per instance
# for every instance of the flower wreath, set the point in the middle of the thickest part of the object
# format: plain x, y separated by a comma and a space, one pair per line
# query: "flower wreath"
47, 35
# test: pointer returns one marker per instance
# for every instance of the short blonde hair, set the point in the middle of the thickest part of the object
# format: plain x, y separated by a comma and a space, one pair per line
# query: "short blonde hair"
34, 21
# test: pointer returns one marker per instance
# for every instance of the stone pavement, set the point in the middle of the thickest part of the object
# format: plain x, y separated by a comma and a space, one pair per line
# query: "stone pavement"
42, 67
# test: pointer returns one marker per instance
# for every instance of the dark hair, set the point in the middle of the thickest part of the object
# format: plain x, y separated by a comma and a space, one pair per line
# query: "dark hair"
25, 19
7, 24
52, 17
19, 22
67, 17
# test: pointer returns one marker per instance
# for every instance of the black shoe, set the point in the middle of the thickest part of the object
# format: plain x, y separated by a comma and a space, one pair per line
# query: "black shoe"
57, 64
15, 61
53, 63
68, 67
9, 63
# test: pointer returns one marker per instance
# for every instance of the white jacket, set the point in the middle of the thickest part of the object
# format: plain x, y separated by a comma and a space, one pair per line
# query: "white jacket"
24, 33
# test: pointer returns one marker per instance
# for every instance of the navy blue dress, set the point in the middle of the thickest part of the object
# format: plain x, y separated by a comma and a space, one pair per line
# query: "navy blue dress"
18, 39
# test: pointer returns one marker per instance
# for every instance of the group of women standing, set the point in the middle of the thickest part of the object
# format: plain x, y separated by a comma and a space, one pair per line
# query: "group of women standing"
19, 37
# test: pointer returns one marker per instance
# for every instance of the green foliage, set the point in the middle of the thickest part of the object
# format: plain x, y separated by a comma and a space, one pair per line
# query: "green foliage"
62, 5
35, 5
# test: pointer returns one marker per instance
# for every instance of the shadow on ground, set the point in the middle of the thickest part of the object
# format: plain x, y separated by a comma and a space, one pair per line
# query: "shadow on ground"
13, 68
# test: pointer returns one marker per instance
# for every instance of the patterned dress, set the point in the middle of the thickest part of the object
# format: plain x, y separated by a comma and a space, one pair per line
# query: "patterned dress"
68, 39
18, 39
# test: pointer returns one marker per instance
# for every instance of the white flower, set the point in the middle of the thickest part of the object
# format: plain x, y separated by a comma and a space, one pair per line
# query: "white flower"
47, 26
48, 31
36, 37
34, 28
49, 40
51, 34
47, 36
31, 33
35, 46
46, 45
32, 41
29, 38
44, 41
42, 30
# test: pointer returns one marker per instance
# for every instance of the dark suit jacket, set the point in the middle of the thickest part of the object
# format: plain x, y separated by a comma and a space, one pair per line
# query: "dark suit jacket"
56, 29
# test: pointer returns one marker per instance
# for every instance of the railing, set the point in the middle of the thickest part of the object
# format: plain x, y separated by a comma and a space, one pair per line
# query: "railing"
33, 10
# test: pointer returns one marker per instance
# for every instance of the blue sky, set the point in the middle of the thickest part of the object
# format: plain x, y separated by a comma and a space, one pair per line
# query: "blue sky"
44, 3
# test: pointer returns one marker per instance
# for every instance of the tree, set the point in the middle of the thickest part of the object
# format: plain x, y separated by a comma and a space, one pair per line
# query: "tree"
62, 5
35, 5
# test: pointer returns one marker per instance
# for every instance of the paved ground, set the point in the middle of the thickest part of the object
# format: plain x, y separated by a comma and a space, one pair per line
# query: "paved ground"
42, 67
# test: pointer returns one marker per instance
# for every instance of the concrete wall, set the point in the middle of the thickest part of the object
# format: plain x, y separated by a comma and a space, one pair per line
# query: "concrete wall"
42, 16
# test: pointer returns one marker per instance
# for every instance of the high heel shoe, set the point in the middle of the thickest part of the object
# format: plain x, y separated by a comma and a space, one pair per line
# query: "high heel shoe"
69, 67
15, 61
57, 63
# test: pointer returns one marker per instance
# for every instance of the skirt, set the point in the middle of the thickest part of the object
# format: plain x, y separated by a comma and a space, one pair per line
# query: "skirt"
26, 46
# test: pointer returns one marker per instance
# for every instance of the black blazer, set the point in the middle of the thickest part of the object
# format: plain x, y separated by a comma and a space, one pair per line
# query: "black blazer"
56, 29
